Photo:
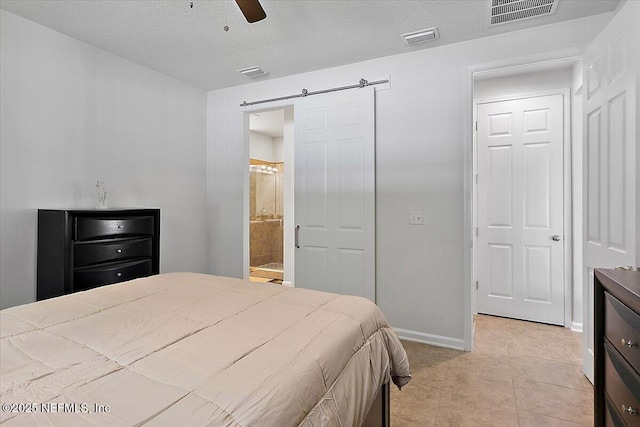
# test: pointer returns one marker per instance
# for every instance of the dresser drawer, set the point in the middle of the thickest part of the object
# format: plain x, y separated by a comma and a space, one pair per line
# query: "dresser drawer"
622, 385
93, 253
612, 417
91, 277
621, 323
88, 228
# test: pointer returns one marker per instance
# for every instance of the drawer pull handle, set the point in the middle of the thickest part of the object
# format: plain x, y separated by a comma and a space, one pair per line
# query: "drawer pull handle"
119, 274
627, 343
629, 410
119, 226
118, 251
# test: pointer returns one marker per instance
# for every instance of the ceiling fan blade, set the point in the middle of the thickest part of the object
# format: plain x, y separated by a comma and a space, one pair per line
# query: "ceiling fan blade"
252, 10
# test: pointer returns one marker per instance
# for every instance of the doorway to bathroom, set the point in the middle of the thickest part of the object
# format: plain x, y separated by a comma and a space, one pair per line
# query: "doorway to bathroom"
267, 184
327, 189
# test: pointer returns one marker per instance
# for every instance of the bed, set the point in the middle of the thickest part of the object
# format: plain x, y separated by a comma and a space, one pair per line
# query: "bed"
183, 349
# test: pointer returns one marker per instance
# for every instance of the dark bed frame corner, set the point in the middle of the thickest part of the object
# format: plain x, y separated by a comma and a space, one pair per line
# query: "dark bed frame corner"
380, 413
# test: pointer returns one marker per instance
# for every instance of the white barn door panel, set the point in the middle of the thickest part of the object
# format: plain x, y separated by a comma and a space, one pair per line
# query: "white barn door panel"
335, 192
611, 157
520, 209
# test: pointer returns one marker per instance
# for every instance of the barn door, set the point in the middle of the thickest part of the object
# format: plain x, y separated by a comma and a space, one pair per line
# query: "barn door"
335, 192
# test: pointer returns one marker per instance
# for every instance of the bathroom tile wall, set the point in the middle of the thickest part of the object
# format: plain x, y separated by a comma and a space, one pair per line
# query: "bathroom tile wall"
265, 242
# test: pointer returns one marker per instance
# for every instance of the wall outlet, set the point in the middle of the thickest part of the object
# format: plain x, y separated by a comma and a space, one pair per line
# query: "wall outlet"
416, 217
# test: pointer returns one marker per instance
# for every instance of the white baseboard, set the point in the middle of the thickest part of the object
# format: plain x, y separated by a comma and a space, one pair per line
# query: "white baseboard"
576, 327
431, 339
289, 284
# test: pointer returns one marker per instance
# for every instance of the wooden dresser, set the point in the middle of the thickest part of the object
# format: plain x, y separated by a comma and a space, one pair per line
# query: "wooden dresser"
617, 348
84, 249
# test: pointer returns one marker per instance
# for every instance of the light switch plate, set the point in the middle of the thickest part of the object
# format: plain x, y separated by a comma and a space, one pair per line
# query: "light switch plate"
416, 217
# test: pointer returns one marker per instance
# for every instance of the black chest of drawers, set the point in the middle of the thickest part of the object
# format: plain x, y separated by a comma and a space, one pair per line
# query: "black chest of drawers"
84, 249
617, 348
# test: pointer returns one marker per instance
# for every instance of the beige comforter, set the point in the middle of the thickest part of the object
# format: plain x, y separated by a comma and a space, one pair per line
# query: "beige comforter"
185, 349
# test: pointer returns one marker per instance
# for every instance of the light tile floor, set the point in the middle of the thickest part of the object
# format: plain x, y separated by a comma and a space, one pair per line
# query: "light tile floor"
520, 374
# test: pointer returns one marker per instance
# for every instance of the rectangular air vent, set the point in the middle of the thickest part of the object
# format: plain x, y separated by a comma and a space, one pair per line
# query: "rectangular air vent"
421, 36
504, 11
253, 72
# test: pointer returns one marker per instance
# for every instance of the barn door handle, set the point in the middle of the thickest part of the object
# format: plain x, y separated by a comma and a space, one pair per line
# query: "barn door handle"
555, 238
297, 236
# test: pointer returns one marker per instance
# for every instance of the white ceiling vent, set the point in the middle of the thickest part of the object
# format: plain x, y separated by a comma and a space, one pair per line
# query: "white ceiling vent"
504, 11
253, 72
421, 36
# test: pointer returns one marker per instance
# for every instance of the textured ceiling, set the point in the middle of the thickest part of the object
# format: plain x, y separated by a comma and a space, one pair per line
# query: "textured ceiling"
297, 35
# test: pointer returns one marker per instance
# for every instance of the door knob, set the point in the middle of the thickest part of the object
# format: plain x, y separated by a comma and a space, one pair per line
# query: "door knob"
555, 238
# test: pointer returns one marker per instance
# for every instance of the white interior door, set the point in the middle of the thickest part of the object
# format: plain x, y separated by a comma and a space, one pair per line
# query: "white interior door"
335, 192
520, 209
610, 159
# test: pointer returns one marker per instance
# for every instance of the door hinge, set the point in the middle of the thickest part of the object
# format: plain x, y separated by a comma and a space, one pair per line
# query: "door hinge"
477, 232
476, 178
471, 243
476, 285
476, 125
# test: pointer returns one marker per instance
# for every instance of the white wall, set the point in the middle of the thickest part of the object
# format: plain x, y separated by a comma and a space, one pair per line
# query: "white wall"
265, 147
568, 76
419, 165
524, 82
577, 144
278, 148
261, 146
286, 147
72, 114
